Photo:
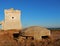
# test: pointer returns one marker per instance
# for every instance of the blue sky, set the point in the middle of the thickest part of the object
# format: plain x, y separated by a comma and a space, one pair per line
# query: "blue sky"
44, 13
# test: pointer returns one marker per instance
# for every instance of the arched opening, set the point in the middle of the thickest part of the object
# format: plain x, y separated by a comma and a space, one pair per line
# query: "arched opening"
15, 35
45, 37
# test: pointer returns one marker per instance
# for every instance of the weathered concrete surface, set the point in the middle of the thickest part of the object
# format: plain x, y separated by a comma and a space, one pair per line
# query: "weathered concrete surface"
37, 32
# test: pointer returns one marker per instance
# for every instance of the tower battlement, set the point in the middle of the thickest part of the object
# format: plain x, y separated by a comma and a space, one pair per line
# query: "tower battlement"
12, 11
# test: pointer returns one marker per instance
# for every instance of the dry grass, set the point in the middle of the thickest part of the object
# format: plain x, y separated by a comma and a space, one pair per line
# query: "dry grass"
43, 42
7, 40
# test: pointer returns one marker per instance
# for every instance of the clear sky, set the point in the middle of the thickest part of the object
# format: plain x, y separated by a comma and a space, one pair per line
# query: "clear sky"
44, 13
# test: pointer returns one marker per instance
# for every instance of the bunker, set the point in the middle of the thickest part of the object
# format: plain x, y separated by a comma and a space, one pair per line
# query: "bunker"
37, 32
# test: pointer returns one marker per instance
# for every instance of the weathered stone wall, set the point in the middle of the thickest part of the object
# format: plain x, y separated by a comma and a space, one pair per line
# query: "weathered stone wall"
12, 19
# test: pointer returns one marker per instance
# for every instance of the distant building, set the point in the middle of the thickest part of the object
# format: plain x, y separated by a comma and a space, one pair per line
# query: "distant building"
12, 19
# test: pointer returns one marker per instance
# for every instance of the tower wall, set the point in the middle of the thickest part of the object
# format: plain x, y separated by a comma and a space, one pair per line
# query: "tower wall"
12, 19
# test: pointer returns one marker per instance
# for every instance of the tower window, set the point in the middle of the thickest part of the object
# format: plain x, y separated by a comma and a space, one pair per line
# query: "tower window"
12, 17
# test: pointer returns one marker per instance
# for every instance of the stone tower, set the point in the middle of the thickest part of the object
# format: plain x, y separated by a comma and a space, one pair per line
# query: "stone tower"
12, 19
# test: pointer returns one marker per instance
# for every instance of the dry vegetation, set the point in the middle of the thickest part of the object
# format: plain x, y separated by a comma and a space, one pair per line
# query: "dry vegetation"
7, 39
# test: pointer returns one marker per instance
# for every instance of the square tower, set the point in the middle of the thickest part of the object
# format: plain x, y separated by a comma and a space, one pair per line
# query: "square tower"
12, 19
